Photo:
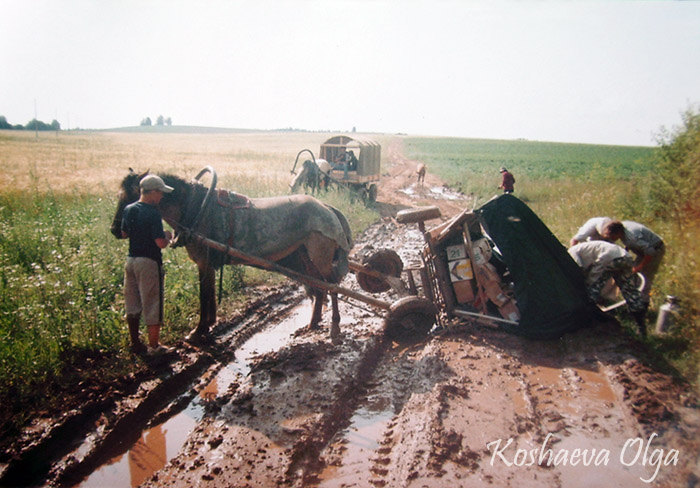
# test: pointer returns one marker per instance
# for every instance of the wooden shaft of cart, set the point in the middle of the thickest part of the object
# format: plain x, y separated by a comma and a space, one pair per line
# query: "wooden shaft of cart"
289, 273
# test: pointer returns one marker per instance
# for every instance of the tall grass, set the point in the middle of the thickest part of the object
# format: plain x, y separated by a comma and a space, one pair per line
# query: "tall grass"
61, 271
566, 184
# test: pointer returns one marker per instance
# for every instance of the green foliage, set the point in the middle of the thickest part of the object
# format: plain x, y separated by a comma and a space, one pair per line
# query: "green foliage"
673, 202
59, 279
471, 165
566, 184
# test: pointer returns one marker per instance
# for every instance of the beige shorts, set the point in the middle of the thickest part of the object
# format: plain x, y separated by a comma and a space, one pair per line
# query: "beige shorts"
143, 289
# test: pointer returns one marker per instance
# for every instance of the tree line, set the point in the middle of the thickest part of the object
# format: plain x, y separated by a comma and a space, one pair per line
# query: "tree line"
33, 124
159, 121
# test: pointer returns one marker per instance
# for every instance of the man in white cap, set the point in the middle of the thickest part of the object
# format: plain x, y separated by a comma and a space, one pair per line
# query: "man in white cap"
143, 276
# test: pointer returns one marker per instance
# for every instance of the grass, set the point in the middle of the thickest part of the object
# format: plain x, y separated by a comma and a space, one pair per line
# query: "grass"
472, 165
566, 184
61, 271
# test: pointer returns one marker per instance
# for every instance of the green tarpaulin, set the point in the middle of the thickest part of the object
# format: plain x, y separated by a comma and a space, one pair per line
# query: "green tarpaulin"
549, 285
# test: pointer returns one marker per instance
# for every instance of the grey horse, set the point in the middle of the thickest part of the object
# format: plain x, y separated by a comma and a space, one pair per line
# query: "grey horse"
298, 232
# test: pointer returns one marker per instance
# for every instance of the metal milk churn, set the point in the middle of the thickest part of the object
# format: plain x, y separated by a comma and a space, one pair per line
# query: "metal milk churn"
667, 311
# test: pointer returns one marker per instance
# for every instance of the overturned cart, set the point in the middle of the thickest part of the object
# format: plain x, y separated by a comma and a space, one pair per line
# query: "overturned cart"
500, 264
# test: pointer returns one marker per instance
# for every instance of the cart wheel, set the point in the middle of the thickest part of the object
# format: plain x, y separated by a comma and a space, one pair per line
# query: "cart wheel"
410, 318
385, 261
372, 193
412, 215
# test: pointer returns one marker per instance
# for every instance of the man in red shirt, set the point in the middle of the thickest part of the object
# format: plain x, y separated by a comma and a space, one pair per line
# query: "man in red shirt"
507, 182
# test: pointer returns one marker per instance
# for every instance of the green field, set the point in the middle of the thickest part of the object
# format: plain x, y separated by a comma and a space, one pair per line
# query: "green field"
61, 311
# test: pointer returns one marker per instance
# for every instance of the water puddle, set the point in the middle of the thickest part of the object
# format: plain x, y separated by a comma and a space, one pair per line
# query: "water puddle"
158, 444
436, 192
596, 385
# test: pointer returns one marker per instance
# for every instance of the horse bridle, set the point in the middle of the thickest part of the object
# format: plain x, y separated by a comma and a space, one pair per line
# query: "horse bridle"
189, 223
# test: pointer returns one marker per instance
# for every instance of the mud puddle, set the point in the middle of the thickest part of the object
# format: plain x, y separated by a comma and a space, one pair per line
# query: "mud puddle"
435, 192
162, 442
359, 454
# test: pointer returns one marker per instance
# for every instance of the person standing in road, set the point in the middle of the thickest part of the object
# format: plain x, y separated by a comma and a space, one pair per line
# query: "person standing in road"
143, 277
507, 181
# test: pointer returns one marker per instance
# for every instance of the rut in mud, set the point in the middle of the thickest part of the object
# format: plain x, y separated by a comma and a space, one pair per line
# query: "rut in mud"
273, 404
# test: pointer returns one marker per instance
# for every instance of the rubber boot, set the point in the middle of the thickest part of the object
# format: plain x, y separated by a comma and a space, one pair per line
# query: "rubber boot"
137, 347
640, 318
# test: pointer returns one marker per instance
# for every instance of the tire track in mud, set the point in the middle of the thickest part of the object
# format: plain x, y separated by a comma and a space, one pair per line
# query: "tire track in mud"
89, 436
483, 390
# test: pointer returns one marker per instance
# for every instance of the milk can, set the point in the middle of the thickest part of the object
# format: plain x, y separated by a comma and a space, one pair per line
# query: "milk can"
667, 311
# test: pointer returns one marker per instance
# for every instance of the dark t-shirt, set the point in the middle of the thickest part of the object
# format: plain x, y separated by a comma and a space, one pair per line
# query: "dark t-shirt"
143, 224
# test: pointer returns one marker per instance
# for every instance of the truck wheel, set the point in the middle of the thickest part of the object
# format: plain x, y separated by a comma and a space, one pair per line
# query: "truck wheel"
412, 215
385, 261
410, 318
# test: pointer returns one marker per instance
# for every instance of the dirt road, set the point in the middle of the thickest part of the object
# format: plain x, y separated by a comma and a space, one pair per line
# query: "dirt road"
272, 404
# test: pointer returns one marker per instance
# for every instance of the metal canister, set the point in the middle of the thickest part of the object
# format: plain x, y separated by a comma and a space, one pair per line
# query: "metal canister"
667, 311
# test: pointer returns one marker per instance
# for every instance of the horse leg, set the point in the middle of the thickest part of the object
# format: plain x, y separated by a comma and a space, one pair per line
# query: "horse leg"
318, 297
207, 303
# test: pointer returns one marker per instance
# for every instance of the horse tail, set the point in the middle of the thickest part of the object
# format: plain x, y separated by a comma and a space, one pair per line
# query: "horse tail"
344, 224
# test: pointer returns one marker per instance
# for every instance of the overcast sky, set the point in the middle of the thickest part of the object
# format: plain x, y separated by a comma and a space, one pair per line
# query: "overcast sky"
569, 71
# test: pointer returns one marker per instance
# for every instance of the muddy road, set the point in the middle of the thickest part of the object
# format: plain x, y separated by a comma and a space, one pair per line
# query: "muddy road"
270, 403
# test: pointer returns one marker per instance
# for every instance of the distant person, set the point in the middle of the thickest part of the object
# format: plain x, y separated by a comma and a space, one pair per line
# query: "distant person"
351, 160
420, 171
591, 231
507, 181
143, 275
648, 247
602, 260
342, 161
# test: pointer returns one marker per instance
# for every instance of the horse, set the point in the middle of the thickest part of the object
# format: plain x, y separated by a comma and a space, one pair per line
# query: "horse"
297, 232
420, 171
313, 175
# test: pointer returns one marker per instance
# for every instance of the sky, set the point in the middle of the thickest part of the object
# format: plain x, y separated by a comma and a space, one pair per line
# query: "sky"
612, 72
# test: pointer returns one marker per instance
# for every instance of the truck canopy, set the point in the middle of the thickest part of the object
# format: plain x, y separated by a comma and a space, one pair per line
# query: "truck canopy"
367, 152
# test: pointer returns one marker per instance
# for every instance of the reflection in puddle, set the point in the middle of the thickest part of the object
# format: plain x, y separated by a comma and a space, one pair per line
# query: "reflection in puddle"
158, 444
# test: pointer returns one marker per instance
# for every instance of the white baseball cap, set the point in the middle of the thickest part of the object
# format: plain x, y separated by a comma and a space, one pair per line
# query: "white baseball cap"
154, 182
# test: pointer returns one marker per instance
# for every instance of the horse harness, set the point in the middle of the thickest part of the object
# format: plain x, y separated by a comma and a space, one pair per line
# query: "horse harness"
222, 217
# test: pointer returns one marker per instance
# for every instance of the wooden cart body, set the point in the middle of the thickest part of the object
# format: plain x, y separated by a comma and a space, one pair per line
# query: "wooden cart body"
448, 276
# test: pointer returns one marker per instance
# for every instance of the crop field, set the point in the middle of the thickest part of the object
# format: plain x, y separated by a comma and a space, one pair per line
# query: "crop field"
61, 269
564, 183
